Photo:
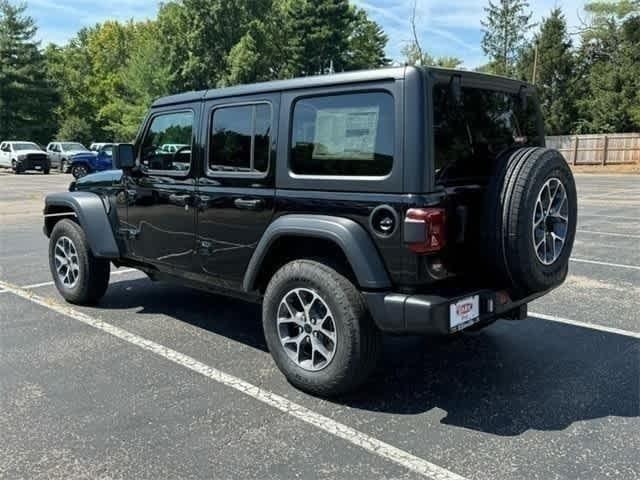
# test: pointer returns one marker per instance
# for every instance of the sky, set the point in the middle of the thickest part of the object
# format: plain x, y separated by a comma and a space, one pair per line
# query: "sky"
446, 27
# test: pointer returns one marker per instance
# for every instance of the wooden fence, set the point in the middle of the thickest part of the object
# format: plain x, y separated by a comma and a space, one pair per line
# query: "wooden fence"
602, 149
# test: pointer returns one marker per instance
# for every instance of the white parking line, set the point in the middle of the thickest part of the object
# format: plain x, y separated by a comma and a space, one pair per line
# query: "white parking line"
591, 326
621, 217
48, 284
607, 264
608, 234
340, 430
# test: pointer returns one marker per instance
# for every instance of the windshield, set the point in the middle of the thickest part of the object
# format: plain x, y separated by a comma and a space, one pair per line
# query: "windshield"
25, 146
74, 146
470, 135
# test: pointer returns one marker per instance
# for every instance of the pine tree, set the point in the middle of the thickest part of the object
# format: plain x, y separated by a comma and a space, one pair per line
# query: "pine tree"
26, 99
554, 73
609, 69
319, 35
505, 31
367, 43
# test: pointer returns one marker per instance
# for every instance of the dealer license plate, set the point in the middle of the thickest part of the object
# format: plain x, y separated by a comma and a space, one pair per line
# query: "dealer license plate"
464, 312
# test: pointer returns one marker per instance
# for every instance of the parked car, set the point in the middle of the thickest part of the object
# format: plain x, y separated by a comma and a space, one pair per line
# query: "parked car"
84, 163
60, 154
403, 200
21, 156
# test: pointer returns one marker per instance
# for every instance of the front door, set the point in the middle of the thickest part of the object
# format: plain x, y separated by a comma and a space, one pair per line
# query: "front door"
104, 158
160, 214
5, 155
236, 191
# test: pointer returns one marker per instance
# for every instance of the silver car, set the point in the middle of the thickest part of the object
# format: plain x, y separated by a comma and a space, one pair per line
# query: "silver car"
60, 154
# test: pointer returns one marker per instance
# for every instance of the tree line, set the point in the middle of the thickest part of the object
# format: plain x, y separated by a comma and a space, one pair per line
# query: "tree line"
99, 85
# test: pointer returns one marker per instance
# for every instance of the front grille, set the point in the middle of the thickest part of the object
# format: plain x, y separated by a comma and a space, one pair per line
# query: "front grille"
37, 157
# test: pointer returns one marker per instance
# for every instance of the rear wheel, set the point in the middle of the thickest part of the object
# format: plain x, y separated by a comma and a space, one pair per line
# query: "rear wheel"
80, 277
318, 329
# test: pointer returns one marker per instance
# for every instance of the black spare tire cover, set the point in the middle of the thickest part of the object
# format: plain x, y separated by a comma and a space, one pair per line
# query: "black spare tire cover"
530, 219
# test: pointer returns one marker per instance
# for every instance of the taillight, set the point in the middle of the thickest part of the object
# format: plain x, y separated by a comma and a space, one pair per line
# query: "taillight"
424, 230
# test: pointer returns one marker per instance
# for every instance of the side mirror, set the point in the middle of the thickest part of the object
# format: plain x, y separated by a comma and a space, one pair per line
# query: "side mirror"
124, 156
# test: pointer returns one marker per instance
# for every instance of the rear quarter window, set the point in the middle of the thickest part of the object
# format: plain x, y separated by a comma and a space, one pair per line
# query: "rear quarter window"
343, 135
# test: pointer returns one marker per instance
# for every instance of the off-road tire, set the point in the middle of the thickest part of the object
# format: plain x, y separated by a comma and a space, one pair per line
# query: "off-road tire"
509, 208
94, 272
358, 343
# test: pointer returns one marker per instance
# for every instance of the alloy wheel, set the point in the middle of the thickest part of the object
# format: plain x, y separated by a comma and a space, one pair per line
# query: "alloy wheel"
307, 329
66, 262
550, 221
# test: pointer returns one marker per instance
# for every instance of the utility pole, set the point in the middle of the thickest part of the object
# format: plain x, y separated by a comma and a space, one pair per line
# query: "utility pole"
535, 64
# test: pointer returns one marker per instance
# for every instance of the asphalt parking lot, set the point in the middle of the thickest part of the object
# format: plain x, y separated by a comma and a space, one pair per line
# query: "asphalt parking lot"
163, 382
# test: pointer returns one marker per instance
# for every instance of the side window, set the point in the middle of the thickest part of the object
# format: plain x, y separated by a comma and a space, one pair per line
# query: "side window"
240, 139
343, 135
174, 129
108, 150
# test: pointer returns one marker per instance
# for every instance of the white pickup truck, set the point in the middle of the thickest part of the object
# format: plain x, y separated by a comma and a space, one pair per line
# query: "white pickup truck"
22, 156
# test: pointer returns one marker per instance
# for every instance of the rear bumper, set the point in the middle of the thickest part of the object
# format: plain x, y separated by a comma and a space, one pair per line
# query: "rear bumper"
429, 314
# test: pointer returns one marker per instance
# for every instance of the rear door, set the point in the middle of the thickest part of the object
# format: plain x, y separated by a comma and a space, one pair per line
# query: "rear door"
236, 188
160, 214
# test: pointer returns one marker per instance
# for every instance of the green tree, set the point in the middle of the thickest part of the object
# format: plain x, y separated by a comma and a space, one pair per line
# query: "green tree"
319, 35
281, 44
554, 72
199, 34
70, 70
609, 68
505, 29
26, 98
367, 43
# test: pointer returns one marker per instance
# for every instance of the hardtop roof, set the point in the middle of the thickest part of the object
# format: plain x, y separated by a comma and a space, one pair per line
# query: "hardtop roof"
389, 73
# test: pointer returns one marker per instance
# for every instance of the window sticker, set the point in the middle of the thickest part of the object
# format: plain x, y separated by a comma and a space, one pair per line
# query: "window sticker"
346, 133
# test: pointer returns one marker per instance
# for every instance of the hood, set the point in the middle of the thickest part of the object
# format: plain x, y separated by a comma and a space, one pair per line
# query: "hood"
104, 179
83, 154
27, 152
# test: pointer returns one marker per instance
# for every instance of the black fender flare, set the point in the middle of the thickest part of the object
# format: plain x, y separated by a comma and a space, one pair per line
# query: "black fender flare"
90, 211
352, 238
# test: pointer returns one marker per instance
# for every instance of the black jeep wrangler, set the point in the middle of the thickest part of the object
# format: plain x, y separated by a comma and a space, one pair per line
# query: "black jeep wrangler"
403, 200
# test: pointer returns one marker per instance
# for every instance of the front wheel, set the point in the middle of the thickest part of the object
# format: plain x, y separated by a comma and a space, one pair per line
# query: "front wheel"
63, 166
80, 277
318, 329
17, 169
79, 171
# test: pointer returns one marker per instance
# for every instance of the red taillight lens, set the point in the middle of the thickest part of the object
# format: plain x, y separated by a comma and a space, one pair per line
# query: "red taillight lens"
425, 230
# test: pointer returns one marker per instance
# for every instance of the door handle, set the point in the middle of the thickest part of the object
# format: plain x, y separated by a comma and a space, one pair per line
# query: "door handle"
245, 204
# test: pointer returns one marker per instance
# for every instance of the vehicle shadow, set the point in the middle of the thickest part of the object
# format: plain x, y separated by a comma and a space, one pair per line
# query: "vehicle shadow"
505, 380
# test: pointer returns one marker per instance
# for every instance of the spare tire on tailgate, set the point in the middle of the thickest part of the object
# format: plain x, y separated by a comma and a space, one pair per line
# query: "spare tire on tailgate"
531, 213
